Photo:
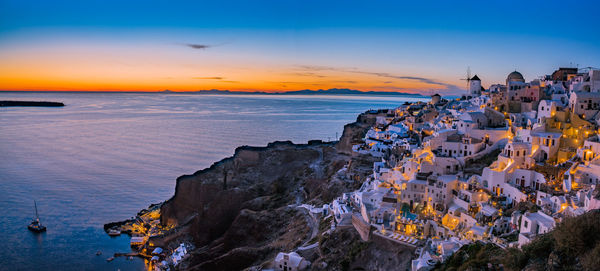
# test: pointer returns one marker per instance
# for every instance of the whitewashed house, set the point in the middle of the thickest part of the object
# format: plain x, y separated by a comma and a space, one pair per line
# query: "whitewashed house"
533, 224
290, 262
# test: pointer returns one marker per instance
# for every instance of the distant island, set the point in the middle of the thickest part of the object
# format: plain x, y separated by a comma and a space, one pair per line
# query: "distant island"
30, 103
331, 91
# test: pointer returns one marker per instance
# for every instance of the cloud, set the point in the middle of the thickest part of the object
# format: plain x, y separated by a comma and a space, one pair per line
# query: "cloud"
209, 78
344, 81
324, 68
414, 78
202, 46
430, 81
309, 74
217, 78
198, 46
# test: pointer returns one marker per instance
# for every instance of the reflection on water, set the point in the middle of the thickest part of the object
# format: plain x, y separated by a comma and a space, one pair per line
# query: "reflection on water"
105, 156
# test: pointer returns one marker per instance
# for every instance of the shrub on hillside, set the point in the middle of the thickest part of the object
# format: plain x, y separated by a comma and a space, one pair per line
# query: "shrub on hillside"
577, 235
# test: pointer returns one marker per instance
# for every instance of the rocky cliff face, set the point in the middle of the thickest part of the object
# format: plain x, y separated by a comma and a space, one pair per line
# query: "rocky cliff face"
344, 250
354, 132
238, 210
257, 178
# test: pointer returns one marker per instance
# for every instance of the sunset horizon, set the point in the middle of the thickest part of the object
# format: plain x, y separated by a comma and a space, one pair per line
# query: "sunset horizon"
104, 46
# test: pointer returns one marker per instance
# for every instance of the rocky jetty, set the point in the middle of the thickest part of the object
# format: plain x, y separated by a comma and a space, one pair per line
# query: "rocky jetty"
31, 103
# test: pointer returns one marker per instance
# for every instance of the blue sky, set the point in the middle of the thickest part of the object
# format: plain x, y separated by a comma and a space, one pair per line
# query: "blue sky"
435, 40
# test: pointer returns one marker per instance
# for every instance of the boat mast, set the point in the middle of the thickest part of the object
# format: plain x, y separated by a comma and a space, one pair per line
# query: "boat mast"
37, 217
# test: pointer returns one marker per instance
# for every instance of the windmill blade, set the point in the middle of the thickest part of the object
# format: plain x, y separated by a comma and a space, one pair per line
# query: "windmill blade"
468, 74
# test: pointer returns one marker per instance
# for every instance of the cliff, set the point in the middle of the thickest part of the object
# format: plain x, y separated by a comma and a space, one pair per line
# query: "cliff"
255, 178
241, 210
354, 132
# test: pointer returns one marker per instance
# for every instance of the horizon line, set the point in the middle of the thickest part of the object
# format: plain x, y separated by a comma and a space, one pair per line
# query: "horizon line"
231, 91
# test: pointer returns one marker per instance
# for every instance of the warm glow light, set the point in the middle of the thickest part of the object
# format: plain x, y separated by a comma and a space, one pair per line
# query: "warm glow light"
125, 66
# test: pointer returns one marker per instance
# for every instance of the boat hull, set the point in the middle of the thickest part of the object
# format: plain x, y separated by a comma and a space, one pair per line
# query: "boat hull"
35, 228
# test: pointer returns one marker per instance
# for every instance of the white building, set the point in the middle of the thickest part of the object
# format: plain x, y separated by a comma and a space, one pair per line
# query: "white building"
533, 224
290, 262
585, 104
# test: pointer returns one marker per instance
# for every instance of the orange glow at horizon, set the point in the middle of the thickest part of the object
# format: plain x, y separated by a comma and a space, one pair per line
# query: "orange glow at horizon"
114, 68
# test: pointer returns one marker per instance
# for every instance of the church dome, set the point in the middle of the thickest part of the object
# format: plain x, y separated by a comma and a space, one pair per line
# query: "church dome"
515, 76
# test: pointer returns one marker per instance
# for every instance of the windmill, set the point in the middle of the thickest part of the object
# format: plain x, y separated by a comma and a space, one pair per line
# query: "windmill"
468, 79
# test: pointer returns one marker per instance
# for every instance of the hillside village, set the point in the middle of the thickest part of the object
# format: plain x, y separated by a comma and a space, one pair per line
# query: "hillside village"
498, 165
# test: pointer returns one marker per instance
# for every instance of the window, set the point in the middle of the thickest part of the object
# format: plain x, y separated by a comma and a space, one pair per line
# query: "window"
526, 224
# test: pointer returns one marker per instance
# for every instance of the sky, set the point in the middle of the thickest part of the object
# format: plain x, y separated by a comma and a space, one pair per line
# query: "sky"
408, 46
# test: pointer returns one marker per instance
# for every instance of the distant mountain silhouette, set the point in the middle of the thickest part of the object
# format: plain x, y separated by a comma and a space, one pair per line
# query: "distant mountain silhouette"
331, 91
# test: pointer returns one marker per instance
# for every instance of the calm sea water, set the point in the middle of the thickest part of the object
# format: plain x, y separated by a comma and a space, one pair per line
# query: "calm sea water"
105, 156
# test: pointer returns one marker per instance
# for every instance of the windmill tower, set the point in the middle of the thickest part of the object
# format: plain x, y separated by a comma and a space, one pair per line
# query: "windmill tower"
473, 83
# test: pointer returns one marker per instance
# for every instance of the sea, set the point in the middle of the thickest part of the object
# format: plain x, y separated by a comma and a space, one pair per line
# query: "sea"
105, 156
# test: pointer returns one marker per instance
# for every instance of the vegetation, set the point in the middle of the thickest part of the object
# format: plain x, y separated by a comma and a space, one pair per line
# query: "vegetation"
573, 245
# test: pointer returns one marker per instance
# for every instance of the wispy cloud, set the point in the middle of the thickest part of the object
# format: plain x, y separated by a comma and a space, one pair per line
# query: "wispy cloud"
198, 46
202, 46
309, 74
216, 78
344, 81
414, 78
430, 81
209, 78
323, 68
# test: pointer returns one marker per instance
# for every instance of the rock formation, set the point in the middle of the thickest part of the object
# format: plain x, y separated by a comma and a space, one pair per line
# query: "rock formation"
241, 211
